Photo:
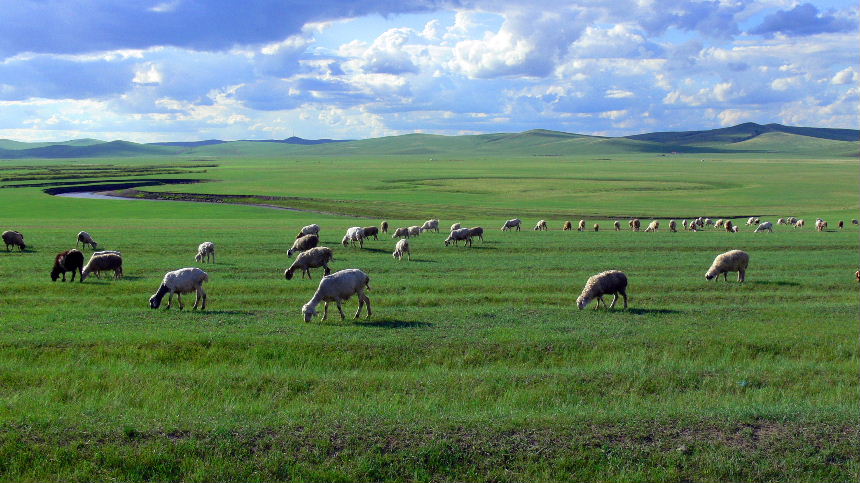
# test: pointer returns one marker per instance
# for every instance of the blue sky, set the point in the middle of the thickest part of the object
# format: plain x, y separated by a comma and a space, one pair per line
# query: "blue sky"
152, 70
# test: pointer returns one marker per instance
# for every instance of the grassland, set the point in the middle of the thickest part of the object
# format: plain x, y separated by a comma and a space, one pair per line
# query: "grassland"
476, 364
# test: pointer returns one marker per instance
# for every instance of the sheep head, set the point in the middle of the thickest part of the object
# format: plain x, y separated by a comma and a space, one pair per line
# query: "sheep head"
308, 311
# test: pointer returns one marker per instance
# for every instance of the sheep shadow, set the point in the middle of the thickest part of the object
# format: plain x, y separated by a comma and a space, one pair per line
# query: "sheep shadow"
422, 261
223, 312
376, 250
778, 283
651, 311
395, 324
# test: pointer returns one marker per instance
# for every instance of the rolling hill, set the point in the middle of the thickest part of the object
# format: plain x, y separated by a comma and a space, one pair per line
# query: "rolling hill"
747, 137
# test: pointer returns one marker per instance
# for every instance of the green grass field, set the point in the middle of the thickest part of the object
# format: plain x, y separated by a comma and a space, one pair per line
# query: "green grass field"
476, 365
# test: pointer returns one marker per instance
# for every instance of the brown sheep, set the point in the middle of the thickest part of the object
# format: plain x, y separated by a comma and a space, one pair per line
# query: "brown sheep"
14, 238
68, 261
617, 226
596, 227
371, 231
729, 226
567, 226
384, 227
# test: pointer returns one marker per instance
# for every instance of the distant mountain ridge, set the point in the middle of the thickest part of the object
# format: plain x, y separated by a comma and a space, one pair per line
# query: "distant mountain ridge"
746, 137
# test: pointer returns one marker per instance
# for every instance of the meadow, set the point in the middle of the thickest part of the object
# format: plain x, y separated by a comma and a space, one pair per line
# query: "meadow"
476, 364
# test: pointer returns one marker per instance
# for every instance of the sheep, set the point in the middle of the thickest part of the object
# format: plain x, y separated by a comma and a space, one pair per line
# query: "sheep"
673, 226
431, 225
581, 226
184, 280
719, 223
855, 222
752, 221
99, 262
735, 229
371, 231
401, 233
457, 235
792, 220
415, 230
799, 223
781, 221
684, 224
13, 238
205, 251
314, 258
353, 234
617, 225
85, 239
708, 221
304, 243
610, 282
513, 223
567, 226
456, 226
730, 228
96, 271
653, 226
820, 225
309, 230
384, 227
477, 231
338, 287
731, 261
400, 248
596, 227
857, 275
635, 224
766, 226
841, 224
541, 226
68, 261
694, 226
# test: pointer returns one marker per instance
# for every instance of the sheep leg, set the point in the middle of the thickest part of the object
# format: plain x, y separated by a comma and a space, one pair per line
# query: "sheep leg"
308, 270
327, 270
340, 309
179, 298
360, 305
599, 299
624, 294
325, 310
408, 255
614, 299
742, 275
169, 300
366, 302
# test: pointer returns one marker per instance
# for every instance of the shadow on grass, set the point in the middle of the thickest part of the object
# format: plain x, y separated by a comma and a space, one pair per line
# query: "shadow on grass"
376, 250
422, 261
395, 324
651, 311
778, 283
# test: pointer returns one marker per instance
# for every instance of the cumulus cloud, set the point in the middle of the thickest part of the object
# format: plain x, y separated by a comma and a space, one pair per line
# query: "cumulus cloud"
804, 20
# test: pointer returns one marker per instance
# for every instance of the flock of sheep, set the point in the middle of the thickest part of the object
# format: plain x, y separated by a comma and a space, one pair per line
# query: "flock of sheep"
342, 285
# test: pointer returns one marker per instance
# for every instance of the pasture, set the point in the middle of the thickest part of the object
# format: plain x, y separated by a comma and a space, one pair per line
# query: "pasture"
476, 364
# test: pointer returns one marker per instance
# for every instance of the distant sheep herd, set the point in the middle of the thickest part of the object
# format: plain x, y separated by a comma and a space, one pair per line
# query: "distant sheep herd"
342, 285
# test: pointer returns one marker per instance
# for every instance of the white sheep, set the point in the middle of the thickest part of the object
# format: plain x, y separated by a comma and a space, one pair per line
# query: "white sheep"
338, 287
464, 234
781, 221
477, 231
799, 223
581, 226
400, 248
415, 230
313, 229
353, 234
617, 225
653, 226
820, 225
512, 223
751, 221
13, 238
431, 225
766, 226
731, 261
401, 233
85, 239
456, 226
204, 251
314, 258
719, 223
96, 271
541, 226
184, 280
103, 261
610, 282
304, 243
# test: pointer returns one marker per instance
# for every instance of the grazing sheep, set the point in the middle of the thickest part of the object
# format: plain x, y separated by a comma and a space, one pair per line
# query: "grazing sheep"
581, 226
353, 234
617, 225
731, 261
304, 243
204, 251
653, 226
309, 230
101, 262
730, 227
752, 221
596, 227
314, 258
401, 233
567, 226
792, 220
855, 222
431, 225
708, 221
68, 261
799, 223
514, 223
338, 287
857, 275
635, 224
456, 236
371, 231
477, 232
415, 230
85, 239
841, 224
456, 226
184, 280
781, 221
684, 224
766, 226
13, 238
694, 226
610, 282
673, 226
820, 225
400, 248
719, 223
96, 271
384, 227
541, 226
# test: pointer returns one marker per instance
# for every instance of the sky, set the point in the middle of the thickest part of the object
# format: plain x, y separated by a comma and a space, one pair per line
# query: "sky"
186, 70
